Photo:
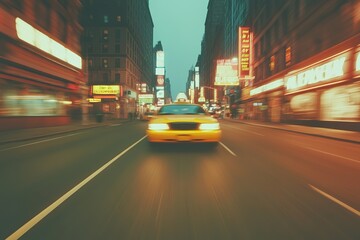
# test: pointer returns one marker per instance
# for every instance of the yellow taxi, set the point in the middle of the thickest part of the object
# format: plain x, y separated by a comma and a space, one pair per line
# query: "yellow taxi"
183, 122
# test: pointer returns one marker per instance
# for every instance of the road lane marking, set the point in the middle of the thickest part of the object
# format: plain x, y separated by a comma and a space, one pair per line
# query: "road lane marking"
228, 149
30, 224
344, 205
33, 143
346, 158
247, 131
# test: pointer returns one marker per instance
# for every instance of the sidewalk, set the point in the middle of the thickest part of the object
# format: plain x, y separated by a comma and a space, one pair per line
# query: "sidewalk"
341, 135
35, 133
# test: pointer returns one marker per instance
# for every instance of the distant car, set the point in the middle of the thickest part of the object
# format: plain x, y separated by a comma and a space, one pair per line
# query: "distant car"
183, 122
147, 115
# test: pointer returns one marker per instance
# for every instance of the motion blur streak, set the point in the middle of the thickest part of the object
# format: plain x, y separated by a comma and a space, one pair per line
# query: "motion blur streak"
353, 210
30, 224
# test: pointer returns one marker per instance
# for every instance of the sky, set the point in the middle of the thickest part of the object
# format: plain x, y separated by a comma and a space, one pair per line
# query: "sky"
180, 26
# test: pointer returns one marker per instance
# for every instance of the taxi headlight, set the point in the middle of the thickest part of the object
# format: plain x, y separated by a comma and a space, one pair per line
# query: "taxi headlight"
158, 126
209, 126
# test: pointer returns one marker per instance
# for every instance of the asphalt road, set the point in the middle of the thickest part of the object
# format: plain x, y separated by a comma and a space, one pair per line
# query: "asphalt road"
108, 183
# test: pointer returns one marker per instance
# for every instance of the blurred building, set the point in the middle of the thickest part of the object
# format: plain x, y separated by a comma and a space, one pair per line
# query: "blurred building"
302, 58
212, 46
306, 63
118, 48
41, 77
167, 91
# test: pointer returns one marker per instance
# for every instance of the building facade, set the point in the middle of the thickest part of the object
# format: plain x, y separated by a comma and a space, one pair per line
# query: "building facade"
117, 46
41, 76
212, 46
306, 63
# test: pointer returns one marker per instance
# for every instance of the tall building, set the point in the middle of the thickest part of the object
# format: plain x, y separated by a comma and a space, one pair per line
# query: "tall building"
236, 14
118, 51
41, 77
212, 45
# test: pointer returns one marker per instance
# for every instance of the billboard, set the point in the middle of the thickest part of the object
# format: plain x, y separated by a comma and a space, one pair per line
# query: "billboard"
106, 89
226, 72
146, 98
160, 59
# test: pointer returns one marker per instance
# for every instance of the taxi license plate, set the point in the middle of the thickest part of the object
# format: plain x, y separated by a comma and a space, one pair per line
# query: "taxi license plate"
183, 138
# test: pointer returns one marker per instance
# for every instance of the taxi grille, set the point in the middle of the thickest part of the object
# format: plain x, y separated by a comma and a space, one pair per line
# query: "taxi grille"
183, 126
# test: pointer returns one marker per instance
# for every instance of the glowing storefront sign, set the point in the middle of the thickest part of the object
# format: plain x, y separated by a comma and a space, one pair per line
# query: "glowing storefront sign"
324, 72
267, 87
94, 100
41, 41
244, 51
146, 98
106, 89
227, 72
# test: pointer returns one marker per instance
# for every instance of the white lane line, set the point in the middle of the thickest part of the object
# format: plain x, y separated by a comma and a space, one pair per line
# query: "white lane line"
247, 131
33, 143
228, 149
344, 205
30, 224
346, 158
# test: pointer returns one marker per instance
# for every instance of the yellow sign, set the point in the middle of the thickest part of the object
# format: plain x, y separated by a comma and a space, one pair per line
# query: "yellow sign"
94, 100
106, 89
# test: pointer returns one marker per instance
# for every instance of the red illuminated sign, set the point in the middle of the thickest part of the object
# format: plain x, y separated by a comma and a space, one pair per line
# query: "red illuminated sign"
245, 51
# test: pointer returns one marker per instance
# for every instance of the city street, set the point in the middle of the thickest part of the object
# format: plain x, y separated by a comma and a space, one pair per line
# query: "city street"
109, 183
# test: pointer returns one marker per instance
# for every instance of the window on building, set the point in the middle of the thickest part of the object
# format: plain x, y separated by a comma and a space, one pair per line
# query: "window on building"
105, 48
90, 63
42, 8
117, 35
105, 63
117, 62
105, 34
106, 19
118, 18
117, 48
62, 28
272, 63
117, 77
288, 56
105, 77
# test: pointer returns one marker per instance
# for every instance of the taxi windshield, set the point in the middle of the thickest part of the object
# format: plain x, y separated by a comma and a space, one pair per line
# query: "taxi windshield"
181, 109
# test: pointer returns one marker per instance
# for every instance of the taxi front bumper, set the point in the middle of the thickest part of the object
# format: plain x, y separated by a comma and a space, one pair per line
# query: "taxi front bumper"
184, 136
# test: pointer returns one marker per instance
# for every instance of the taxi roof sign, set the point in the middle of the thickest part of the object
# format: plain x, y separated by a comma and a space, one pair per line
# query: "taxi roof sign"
181, 97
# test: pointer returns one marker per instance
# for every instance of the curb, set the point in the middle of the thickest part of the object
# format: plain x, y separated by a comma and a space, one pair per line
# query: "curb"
297, 131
